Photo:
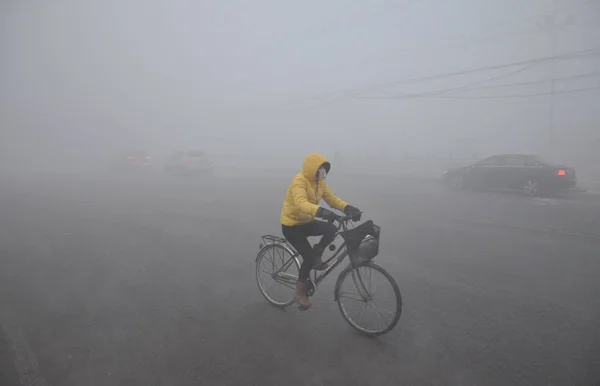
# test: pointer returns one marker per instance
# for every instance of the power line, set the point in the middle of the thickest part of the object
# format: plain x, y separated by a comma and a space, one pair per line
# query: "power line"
571, 77
488, 80
469, 87
378, 8
456, 43
570, 55
484, 97
526, 63
435, 95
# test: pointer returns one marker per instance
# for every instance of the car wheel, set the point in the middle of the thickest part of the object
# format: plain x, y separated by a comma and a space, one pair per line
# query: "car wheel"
531, 188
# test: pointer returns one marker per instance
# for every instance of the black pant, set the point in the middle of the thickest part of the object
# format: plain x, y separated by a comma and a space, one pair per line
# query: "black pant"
298, 236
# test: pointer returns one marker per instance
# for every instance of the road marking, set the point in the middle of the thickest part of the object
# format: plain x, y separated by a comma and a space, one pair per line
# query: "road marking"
531, 228
25, 361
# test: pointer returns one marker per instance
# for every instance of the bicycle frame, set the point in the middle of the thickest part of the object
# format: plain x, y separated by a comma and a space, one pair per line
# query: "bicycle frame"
338, 256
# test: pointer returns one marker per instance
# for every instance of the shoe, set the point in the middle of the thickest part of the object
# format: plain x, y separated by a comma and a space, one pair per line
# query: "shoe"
302, 294
318, 258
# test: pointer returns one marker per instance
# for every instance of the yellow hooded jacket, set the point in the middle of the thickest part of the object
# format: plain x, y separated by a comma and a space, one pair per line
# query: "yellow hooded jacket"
305, 192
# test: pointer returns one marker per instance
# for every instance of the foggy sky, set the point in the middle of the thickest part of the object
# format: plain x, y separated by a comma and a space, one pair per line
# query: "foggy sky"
216, 75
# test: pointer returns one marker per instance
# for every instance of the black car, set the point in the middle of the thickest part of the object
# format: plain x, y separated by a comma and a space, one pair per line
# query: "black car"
518, 172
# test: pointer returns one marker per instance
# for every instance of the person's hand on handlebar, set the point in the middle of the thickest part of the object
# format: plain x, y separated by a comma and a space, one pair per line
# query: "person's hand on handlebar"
352, 212
328, 215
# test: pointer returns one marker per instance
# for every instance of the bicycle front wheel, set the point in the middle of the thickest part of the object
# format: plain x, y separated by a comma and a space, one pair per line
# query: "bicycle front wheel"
276, 274
361, 291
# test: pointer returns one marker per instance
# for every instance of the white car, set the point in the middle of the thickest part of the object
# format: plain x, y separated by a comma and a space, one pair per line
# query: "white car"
188, 162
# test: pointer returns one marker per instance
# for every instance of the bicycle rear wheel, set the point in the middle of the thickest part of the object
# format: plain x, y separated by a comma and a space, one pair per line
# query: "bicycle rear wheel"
276, 274
361, 292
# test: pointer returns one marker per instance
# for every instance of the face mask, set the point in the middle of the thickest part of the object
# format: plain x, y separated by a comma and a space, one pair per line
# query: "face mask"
321, 174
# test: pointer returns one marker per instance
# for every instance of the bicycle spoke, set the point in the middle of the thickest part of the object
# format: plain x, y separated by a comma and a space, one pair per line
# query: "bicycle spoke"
273, 262
380, 314
360, 287
362, 310
276, 274
358, 298
280, 258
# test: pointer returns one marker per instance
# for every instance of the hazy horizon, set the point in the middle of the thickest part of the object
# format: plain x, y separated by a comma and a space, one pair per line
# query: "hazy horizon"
282, 79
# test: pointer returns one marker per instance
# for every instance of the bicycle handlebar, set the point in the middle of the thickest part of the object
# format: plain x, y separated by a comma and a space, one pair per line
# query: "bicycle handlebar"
343, 219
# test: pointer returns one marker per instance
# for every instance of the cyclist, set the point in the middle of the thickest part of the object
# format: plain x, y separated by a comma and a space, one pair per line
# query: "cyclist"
300, 208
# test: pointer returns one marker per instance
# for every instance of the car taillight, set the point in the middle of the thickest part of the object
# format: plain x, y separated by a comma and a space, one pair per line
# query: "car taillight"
561, 172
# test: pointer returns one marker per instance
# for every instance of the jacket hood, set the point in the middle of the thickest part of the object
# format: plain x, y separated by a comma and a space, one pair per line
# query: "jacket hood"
311, 165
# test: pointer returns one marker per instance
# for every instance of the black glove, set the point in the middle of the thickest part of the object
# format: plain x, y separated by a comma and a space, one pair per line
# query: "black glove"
326, 214
353, 212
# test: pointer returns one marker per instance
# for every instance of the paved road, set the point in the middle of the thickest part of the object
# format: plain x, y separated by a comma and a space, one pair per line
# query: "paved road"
150, 281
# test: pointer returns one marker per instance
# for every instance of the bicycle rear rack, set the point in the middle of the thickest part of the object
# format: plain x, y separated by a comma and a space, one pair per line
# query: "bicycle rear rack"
271, 239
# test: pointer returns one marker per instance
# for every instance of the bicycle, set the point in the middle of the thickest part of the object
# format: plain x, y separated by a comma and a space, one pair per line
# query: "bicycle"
360, 243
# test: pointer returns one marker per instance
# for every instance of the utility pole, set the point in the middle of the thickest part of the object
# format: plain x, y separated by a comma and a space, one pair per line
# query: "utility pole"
551, 115
552, 22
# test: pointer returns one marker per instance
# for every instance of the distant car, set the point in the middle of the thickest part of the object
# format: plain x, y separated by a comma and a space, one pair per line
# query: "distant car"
188, 162
131, 160
529, 174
